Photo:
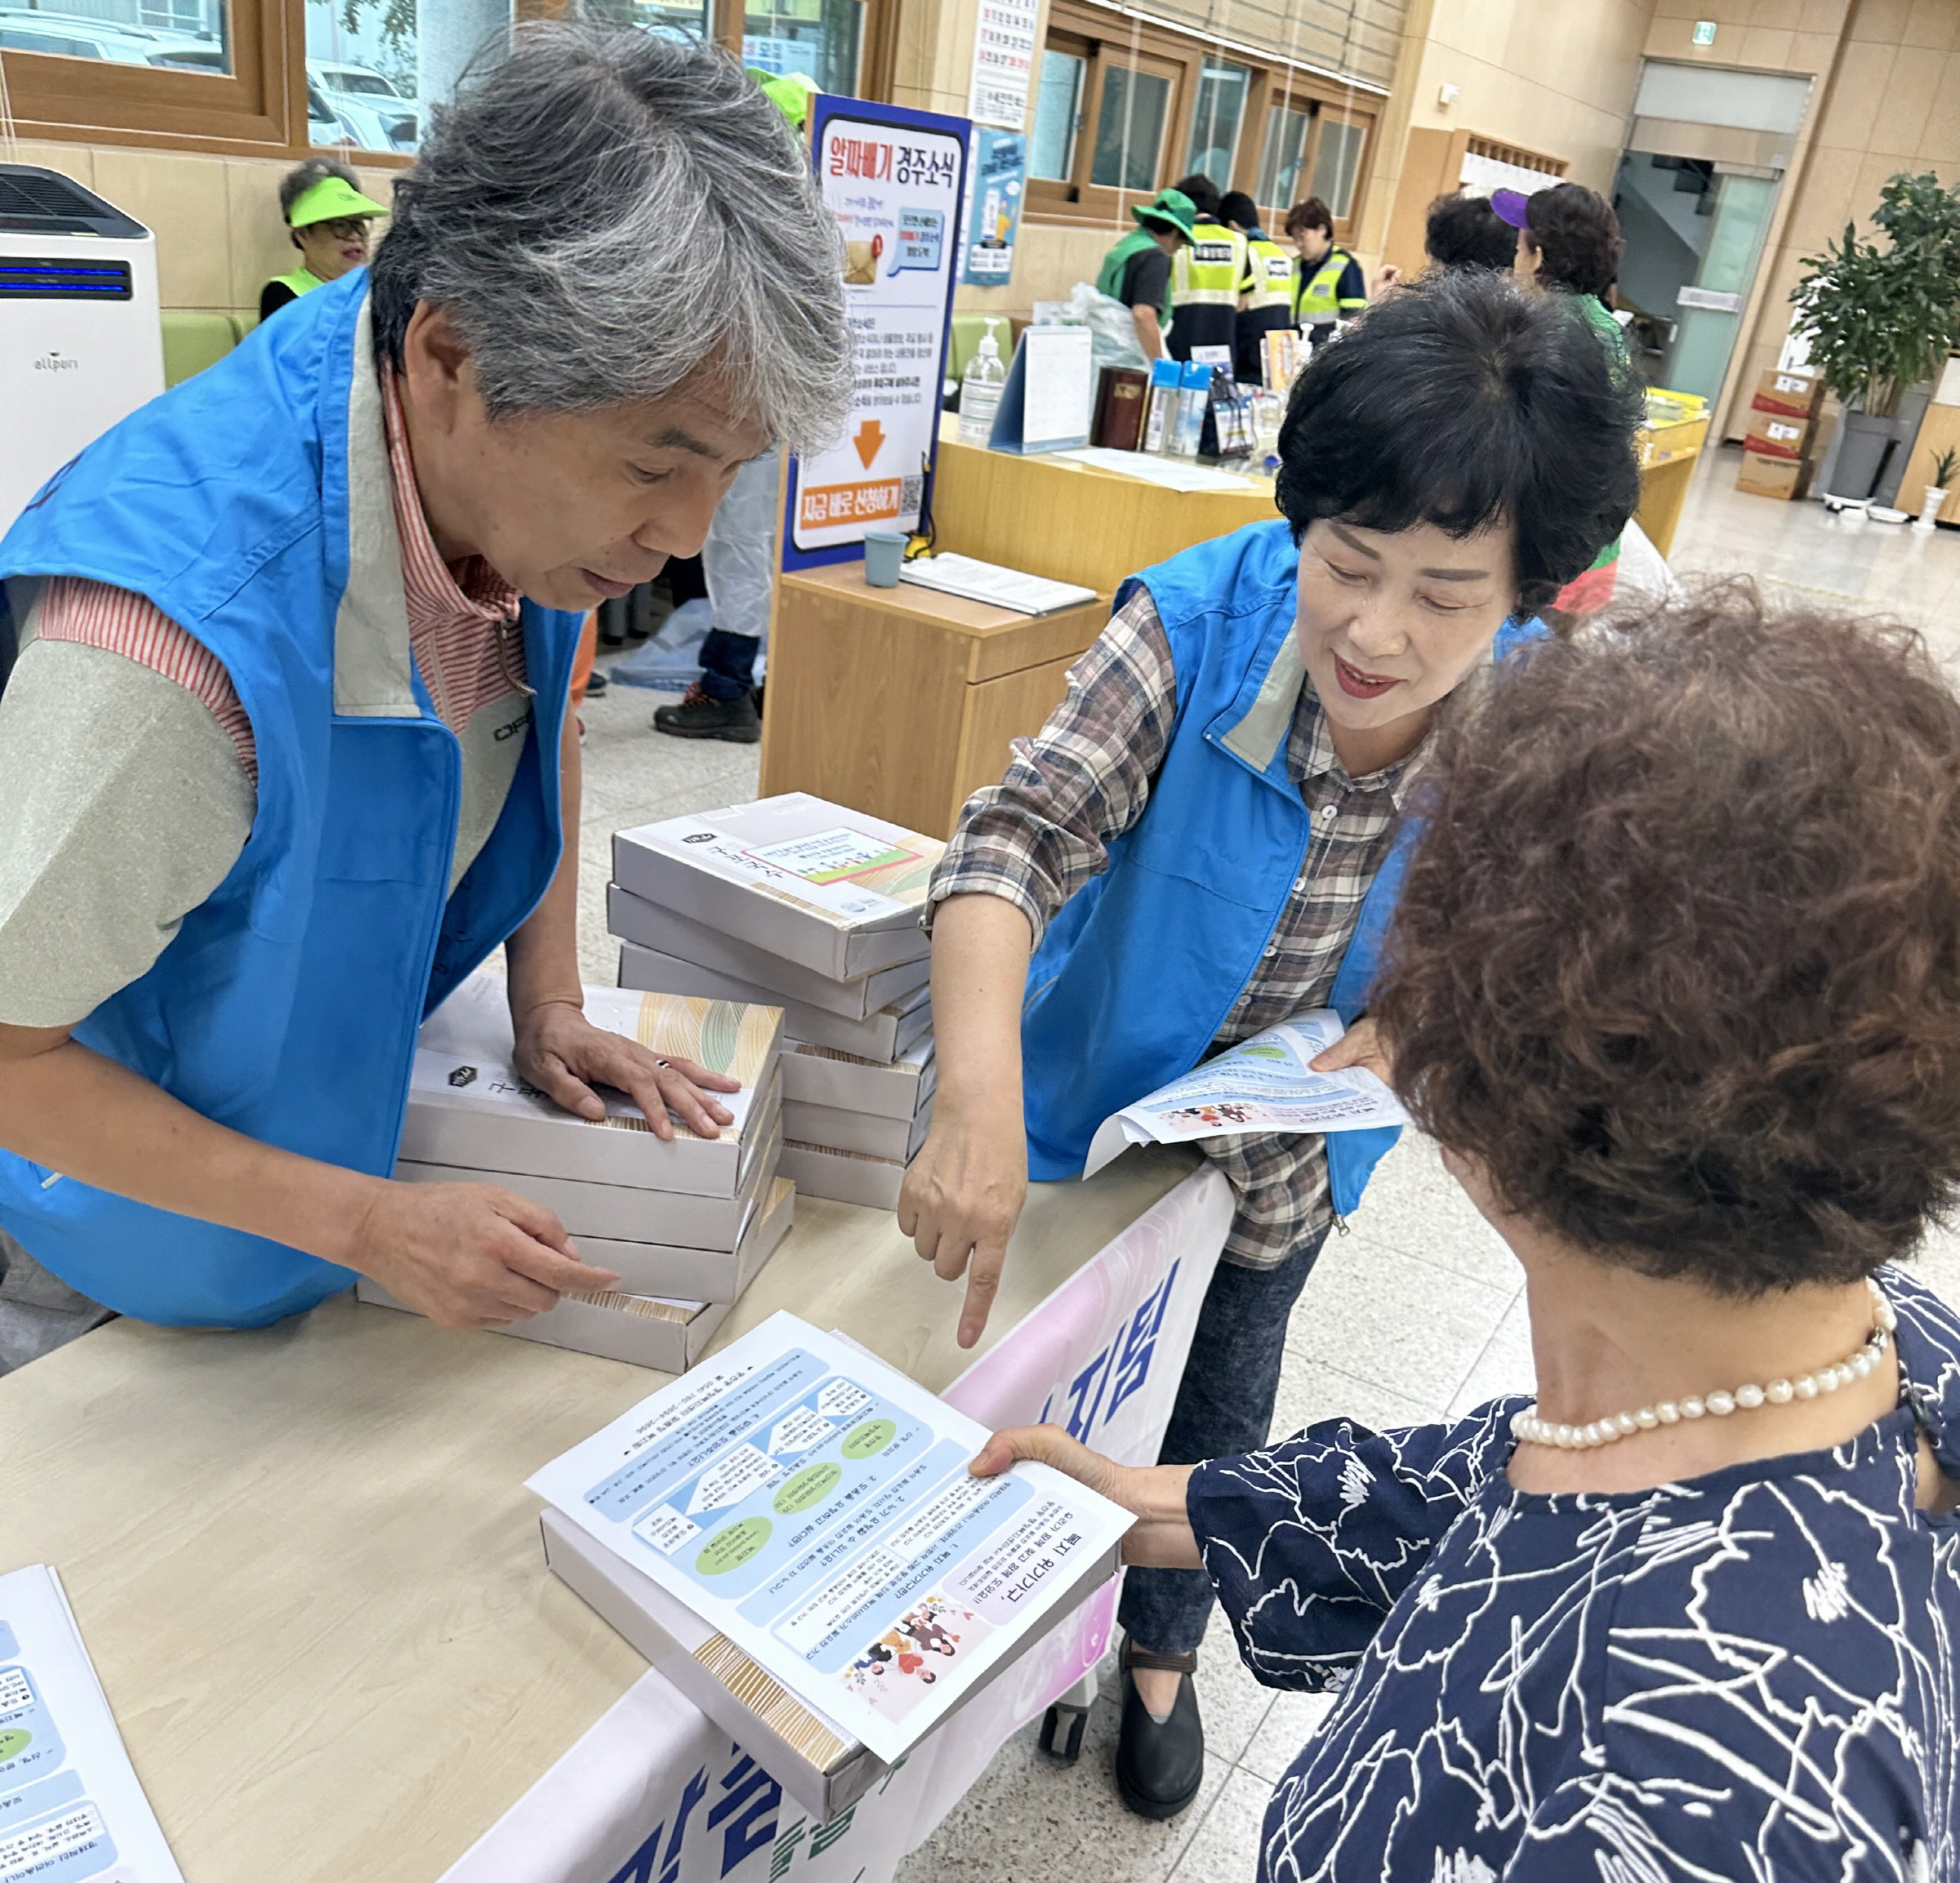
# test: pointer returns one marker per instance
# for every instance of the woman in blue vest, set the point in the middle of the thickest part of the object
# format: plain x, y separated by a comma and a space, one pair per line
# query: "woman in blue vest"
1207, 837
237, 872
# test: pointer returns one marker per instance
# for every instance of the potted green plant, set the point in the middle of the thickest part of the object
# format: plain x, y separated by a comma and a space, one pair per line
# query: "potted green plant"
1880, 320
1936, 491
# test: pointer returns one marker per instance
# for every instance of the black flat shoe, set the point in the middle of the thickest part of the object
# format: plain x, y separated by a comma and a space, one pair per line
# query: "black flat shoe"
700, 717
1159, 1768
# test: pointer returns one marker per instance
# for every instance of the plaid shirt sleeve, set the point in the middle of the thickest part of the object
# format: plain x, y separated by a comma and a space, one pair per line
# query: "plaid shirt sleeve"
1078, 784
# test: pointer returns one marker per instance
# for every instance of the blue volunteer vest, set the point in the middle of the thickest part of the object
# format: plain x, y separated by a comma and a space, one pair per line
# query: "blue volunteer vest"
1135, 977
252, 504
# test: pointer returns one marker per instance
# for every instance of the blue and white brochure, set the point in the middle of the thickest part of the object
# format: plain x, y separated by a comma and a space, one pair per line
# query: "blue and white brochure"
813, 1505
1265, 1083
70, 1806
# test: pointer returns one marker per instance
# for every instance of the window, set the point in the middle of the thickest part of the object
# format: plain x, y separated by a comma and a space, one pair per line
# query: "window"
817, 38
1130, 122
274, 77
1058, 115
1337, 163
1287, 127
1124, 107
1219, 106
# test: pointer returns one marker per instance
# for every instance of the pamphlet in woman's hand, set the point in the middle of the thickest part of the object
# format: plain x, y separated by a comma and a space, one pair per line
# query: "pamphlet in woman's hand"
1265, 1083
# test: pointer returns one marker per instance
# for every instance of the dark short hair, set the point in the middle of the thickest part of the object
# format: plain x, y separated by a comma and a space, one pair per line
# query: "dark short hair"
1459, 401
1677, 963
1311, 214
1235, 206
1578, 238
1464, 231
1203, 191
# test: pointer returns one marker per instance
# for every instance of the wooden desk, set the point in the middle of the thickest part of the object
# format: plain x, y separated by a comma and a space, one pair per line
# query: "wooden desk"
1073, 524
1938, 431
307, 1569
1667, 467
901, 701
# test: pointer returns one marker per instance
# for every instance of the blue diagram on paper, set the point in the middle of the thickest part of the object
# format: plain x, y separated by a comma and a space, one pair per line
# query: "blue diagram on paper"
645, 1478
751, 1513
49, 1830
921, 240
30, 1746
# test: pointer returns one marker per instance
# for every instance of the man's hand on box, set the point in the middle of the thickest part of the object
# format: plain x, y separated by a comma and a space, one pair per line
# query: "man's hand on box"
468, 1254
564, 1055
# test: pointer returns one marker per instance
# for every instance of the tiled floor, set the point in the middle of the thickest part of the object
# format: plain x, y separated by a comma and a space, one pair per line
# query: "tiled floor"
1416, 1314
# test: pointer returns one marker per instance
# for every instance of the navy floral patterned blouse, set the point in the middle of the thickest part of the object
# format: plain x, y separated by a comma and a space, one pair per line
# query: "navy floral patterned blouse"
1752, 1676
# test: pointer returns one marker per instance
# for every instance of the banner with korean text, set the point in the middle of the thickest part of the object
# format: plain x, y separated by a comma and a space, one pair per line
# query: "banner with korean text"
895, 180
655, 1793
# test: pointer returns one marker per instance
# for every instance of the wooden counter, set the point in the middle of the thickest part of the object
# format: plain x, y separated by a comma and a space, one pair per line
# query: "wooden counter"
1667, 454
901, 701
1072, 523
308, 1573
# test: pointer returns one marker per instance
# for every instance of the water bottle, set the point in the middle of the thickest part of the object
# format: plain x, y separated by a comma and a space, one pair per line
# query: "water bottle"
980, 389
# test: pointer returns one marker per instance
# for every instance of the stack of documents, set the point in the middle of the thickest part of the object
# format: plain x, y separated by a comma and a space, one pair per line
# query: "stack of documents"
791, 1537
687, 1223
800, 902
70, 1806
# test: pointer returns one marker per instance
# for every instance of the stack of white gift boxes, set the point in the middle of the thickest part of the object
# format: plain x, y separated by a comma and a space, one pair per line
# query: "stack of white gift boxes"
687, 1222
815, 909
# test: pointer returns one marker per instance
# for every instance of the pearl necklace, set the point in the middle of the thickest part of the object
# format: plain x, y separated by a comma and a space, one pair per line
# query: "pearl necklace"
1527, 1428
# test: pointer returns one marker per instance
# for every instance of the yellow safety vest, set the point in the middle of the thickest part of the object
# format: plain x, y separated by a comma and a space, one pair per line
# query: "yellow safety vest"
1269, 276
1206, 272
1318, 303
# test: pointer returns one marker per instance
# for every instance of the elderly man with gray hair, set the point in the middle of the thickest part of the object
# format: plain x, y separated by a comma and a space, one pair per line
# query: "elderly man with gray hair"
285, 746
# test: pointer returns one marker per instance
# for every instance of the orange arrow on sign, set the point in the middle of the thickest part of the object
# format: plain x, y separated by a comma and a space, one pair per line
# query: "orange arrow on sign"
871, 434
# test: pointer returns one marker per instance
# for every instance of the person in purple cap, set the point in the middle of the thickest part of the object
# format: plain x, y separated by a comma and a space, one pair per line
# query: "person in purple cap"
1569, 242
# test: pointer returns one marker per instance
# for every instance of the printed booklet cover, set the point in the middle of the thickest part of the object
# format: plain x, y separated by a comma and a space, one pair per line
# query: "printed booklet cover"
1264, 1083
812, 1505
70, 1805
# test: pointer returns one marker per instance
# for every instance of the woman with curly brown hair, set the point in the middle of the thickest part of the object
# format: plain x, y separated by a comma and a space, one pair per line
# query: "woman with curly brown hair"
1675, 980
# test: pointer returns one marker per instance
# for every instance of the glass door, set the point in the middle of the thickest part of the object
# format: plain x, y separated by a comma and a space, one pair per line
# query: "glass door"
1709, 309
1693, 231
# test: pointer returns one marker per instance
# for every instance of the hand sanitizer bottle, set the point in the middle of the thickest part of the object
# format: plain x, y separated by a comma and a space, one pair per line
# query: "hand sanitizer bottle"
980, 390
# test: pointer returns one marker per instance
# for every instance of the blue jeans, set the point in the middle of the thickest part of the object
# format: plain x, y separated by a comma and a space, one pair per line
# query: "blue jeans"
728, 664
1224, 1407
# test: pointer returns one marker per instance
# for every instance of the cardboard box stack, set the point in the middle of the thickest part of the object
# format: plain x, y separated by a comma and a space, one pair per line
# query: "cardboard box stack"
815, 908
687, 1223
1782, 437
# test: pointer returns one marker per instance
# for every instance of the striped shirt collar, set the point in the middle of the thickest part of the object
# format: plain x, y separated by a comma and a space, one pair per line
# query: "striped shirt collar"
1310, 753
439, 596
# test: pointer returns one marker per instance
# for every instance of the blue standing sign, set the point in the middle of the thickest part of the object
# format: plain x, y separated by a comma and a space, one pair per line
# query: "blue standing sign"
894, 179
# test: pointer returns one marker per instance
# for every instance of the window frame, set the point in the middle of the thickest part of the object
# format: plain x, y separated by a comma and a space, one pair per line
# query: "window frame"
1100, 38
259, 109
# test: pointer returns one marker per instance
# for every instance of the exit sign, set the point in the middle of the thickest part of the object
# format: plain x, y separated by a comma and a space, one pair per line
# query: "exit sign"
1704, 32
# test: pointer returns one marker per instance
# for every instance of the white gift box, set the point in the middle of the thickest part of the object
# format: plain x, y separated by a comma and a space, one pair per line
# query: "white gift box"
468, 1106
836, 890
881, 1036
842, 1175
823, 1768
836, 1129
641, 1329
634, 918
813, 1074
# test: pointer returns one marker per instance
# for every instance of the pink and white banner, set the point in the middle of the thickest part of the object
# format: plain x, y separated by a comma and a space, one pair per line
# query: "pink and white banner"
655, 1793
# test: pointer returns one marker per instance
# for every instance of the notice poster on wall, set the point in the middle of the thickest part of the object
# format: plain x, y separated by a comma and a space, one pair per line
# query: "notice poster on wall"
1003, 59
894, 179
994, 207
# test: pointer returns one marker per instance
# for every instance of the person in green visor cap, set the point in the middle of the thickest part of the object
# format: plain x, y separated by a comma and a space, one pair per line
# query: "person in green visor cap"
1137, 271
328, 218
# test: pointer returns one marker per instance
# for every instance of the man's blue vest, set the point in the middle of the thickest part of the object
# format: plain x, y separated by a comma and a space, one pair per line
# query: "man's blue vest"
1136, 975
252, 505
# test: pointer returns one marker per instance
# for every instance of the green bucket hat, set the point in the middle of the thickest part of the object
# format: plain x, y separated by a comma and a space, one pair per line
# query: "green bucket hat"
330, 199
1172, 207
